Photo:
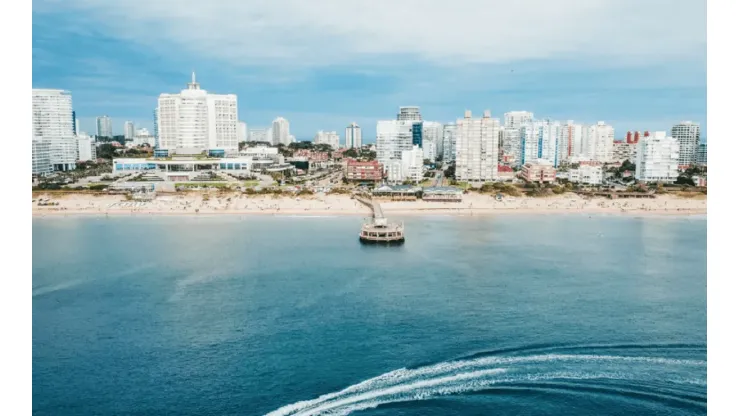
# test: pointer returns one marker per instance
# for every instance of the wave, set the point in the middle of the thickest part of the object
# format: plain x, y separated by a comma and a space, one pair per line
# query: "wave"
480, 374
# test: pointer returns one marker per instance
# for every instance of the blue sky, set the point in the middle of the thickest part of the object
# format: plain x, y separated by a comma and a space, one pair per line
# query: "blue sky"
638, 65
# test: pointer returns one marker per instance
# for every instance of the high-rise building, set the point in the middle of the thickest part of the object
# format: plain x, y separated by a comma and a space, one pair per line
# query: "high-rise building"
103, 127
658, 158
412, 162
571, 140
128, 130
624, 151
417, 133
194, 121
143, 137
52, 130
75, 124
433, 131
477, 148
701, 154
540, 141
241, 132
429, 150
280, 131
327, 137
393, 137
515, 119
687, 134
511, 144
41, 157
52, 113
156, 128
353, 136
86, 149
449, 140
599, 142
409, 114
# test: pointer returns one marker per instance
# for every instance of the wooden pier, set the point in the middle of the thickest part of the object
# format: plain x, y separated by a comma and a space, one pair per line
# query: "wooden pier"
379, 230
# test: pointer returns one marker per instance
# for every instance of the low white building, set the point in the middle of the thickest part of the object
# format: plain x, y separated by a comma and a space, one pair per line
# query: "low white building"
86, 149
394, 171
585, 174
178, 169
657, 158
260, 152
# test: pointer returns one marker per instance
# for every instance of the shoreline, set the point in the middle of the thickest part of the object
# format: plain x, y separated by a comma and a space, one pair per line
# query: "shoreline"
473, 205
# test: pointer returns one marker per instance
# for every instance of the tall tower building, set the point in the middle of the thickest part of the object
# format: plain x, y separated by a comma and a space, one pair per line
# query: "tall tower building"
599, 142
449, 140
432, 131
687, 134
393, 137
477, 148
128, 130
52, 113
103, 127
657, 158
242, 132
156, 127
515, 119
280, 131
194, 121
353, 136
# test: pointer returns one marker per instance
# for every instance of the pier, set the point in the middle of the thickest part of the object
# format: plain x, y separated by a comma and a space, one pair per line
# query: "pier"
379, 230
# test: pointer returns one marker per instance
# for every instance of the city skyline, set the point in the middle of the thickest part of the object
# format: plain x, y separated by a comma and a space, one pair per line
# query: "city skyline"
646, 78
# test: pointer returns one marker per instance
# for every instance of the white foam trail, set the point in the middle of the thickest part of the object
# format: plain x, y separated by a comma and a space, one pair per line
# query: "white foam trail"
54, 288
456, 377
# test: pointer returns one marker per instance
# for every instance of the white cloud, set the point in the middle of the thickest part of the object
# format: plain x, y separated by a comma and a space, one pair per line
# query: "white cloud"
302, 33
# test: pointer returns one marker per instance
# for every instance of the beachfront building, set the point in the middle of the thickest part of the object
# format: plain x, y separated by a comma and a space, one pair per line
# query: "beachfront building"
540, 171
511, 144
449, 140
393, 138
412, 162
658, 158
52, 113
63, 152
505, 173
540, 141
571, 140
599, 142
327, 137
515, 119
624, 151
364, 172
182, 168
433, 131
195, 121
353, 136
588, 175
442, 194
687, 135
397, 192
103, 127
477, 148
86, 149
281, 132
41, 157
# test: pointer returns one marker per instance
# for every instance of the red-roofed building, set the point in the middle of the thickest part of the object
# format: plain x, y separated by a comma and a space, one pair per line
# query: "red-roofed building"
357, 171
505, 172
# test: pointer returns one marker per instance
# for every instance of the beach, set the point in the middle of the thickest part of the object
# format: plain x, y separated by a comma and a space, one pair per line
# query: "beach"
319, 204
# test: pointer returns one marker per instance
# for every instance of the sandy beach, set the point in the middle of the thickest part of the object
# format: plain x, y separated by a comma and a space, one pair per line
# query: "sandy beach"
472, 204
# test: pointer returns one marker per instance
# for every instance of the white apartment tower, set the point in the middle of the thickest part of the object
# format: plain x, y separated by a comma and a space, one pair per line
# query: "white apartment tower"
515, 119
128, 130
52, 113
658, 158
540, 140
449, 139
103, 127
327, 137
597, 145
280, 132
477, 148
393, 137
241, 132
194, 121
412, 162
353, 136
687, 134
511, 143
571, 140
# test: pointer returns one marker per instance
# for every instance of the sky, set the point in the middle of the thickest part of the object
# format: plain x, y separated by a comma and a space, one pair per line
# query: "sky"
321, 64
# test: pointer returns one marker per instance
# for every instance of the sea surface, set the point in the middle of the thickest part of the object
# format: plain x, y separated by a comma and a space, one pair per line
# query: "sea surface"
514, 315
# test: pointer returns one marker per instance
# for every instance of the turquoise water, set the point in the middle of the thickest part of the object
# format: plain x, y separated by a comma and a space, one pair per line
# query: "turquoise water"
526, 315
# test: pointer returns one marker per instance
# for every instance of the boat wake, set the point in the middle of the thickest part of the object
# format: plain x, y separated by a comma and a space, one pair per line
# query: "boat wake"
680, 380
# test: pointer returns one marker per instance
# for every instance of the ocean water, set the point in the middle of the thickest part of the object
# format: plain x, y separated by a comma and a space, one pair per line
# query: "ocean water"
524, 315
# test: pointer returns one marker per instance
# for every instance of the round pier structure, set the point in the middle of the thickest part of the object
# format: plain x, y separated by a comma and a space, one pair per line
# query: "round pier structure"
379, 231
